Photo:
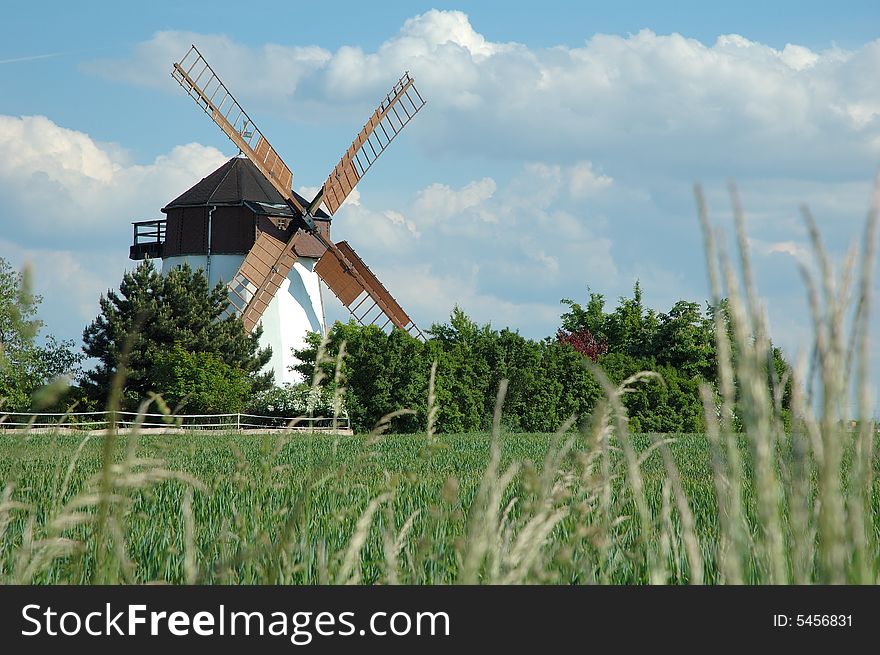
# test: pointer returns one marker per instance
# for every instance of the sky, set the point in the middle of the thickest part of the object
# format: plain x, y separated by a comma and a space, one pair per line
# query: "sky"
557, 152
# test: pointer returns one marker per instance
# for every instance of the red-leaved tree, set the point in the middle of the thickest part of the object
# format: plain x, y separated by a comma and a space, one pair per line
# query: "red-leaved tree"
584, 342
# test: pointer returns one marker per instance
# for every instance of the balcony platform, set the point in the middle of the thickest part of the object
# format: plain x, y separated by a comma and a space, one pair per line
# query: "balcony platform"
148, 240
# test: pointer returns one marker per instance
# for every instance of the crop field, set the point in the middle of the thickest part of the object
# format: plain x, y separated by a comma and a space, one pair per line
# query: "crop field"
218, 508
248, 490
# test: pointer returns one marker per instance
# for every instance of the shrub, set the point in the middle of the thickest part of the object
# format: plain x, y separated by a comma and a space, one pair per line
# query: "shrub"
293, 401
200, 383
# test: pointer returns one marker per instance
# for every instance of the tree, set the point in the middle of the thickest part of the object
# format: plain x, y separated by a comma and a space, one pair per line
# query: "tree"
549, 381
387, 372
566, 388
679, 345
592, 318
200, 382
153, 315
381, 373
686, 340
776, 368
583, 342
26, 366
464, 375
629, 329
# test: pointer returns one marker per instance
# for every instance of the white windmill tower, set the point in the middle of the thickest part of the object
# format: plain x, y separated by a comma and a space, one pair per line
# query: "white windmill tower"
243, 224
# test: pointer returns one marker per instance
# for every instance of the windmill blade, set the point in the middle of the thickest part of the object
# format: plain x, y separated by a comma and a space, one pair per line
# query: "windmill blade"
203, 85
260, 275
390, 117
268, 262
361, 291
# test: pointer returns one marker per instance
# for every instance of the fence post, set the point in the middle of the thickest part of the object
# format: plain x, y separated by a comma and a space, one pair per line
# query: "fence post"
238, 422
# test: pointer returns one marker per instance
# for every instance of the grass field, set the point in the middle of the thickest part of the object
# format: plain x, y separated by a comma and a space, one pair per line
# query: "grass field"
215, 508
253, 485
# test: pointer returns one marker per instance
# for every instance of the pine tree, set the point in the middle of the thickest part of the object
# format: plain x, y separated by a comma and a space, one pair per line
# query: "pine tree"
151, 315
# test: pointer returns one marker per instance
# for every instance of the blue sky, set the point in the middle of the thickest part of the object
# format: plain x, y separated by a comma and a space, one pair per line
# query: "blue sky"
557, 151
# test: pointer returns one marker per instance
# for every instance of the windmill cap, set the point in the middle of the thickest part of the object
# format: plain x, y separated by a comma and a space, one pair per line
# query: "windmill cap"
238, 182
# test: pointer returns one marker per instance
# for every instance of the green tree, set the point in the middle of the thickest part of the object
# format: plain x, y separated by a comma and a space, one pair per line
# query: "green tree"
629, 329
686, 340
152, 315
463, 372
200, 382
591, 318
679, 345
381, 373
566, 387
26, 366
387, 372
548, 381
777, 368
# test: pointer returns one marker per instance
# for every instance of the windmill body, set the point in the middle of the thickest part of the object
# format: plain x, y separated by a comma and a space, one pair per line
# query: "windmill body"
212, 226
243, 224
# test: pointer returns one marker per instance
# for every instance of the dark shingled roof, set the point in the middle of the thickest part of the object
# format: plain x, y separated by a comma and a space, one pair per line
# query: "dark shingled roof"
238, 182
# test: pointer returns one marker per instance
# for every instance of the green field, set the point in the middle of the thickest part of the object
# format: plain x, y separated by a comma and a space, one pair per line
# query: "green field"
316, 488
213, 508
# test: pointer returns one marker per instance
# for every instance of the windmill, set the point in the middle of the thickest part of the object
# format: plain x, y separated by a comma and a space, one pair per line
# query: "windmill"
244, 224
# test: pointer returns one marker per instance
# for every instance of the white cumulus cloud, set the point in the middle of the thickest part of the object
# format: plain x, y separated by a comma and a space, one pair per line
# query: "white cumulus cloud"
584, 181
69, 186
68, 204
639, 102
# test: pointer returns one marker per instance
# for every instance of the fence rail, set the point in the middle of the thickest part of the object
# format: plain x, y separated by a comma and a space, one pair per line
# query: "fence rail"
240, 422
148, 231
